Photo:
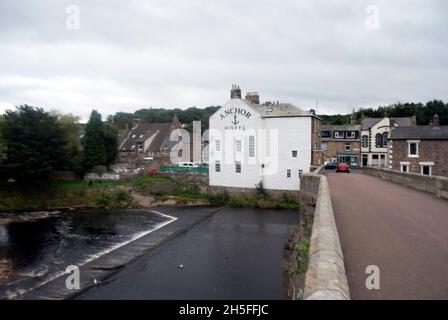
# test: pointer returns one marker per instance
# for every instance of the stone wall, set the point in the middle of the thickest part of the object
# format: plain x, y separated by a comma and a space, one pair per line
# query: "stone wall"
202, 181
431, 184
325, 278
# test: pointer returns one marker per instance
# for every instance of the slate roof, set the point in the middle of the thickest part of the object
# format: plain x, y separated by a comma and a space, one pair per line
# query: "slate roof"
343, 127
420, 133
144, 131
272, 110
399, 121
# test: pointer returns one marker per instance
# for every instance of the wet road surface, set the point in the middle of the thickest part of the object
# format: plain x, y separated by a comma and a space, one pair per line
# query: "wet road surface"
402, 231
234, 254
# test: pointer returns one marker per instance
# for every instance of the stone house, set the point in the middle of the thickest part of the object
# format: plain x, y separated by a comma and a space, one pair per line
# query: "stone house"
375, 134
420, 149
150, 144
341, 143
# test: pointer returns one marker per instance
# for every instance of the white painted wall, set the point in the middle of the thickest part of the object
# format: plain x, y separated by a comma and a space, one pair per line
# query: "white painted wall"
283, 135
220, 129
294, 133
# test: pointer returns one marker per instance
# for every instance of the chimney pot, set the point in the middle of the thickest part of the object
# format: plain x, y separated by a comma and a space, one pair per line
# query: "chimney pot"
235, 93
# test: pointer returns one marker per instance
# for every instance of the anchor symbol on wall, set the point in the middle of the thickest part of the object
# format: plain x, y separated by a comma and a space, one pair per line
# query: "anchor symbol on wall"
235, 122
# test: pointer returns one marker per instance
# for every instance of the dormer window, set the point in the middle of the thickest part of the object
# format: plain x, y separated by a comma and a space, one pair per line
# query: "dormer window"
351, 134
339, 134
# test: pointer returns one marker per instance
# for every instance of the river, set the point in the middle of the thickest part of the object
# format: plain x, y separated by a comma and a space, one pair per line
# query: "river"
36, 247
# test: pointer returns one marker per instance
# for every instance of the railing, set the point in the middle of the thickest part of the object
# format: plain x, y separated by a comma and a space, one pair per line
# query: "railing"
193, 170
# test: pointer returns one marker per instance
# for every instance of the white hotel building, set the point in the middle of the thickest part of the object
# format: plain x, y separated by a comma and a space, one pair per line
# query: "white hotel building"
271, 143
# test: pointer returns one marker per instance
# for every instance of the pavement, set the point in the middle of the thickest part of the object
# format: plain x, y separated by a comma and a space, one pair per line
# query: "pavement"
231, 254
402, 231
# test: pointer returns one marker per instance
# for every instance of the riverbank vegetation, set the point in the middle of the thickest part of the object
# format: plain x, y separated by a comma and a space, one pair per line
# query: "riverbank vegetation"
16, 197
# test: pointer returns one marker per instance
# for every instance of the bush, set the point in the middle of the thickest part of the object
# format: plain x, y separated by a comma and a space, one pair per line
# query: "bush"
261, 191
218, 199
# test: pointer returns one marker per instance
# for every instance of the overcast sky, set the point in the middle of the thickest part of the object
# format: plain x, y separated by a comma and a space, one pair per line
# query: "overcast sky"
132, 54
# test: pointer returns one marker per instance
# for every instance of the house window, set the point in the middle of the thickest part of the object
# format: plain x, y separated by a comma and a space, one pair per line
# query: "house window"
294, 153
323, 146
238, 167
413, 149
326, 134
426, 168
217, 166
384, 140
251, 146
378, 140
404, 166
218, 145
375, 160
339, 134
238, 145
140, 147
351, 134
288, 173
365, 141
347, 147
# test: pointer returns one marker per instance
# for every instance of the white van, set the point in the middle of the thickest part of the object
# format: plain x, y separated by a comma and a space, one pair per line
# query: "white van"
187, 164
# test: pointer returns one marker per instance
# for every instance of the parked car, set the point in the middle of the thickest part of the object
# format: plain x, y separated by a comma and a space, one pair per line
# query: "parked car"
343, 167
187, 164
330, 165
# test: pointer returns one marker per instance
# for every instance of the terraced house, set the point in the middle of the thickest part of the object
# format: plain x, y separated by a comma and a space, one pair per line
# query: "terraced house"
341, 143
420, 149
375, 134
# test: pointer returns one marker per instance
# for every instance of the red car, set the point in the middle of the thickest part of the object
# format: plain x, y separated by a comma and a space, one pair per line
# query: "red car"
343, 167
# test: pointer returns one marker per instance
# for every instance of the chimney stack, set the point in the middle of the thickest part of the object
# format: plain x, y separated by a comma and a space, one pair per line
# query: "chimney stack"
435, 120
253, 97
414, 120
235, 93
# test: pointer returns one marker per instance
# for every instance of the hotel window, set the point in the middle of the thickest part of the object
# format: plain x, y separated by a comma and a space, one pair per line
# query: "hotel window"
413, 149
218, 145
351, 134
238, 145
339, 134
238, 167
347, 147
217, 166
365, 141
251, 146
288, 173
294, 153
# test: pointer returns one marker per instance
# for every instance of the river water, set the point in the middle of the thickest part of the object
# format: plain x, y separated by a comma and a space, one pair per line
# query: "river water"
35, 247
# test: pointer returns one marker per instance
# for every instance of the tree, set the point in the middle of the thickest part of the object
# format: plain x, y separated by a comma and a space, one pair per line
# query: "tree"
72, 128
111, 142
94, 153
36, 144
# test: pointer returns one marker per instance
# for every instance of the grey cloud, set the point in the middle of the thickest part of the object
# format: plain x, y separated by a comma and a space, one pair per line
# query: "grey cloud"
132, 54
